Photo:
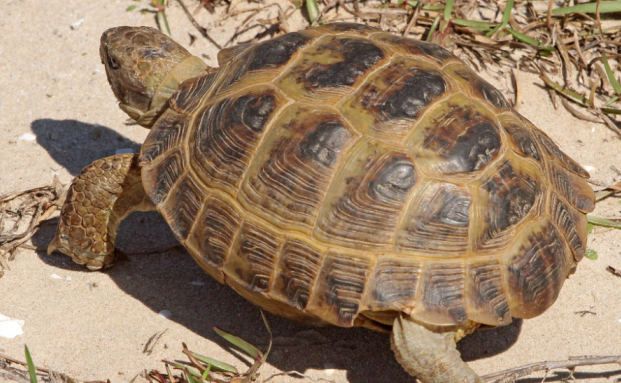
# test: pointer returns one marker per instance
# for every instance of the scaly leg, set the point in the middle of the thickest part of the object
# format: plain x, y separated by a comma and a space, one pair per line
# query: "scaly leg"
98, 199
430, 356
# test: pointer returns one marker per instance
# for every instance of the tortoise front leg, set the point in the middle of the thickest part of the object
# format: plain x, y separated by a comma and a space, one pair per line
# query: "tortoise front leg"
99, 198
430, 356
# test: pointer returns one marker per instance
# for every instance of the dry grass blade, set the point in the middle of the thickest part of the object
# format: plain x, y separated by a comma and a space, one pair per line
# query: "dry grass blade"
201, 30
21, 213
573, 362
17, 370
613, 271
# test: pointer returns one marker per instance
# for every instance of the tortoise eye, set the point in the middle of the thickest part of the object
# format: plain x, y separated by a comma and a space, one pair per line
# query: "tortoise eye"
113, 63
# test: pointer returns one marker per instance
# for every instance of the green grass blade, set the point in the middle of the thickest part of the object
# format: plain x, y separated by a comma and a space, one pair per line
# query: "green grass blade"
432, 8
611, 111
597, 221
615, 98
161, 17
564, 91
604, 7
611, 76
313, 10
240, 343
131, 8
505, 19
31, 367
473, 24
191, 378
528, 40
448, 9
216, 365
433, 27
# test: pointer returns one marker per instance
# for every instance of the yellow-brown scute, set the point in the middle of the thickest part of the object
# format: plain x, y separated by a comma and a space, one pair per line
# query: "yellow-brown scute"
342, 170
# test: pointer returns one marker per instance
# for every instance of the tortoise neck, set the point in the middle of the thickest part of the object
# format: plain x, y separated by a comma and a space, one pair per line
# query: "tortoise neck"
189, 68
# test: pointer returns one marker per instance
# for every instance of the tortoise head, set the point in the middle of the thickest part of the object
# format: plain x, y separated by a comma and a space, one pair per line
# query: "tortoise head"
144, 68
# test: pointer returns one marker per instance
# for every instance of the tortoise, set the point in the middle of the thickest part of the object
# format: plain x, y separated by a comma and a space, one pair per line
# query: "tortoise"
341, 175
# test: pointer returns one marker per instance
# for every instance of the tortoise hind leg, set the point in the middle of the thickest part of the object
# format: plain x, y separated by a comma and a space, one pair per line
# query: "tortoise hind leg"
430, 356
99, 198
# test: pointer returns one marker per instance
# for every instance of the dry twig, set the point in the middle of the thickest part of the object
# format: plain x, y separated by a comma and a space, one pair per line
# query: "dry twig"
514, 373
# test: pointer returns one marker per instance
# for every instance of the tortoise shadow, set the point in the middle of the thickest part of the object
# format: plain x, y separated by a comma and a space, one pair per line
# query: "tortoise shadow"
162, 275
74, 144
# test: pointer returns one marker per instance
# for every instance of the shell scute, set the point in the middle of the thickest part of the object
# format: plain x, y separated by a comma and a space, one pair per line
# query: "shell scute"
503, 200
331, 68
535, 269
252, 259
414, 47
441, 301
291, 172
391, 100
212, 237
339, 290
457, 137
365, 200
485, 293
226, 135
299, 264
436, 222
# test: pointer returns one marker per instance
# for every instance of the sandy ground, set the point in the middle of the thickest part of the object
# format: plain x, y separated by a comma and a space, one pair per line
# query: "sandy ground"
94, 325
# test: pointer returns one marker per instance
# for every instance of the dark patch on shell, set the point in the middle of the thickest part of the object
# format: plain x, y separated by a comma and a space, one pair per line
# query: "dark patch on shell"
359, 56
325, 142
417, 92
394, 181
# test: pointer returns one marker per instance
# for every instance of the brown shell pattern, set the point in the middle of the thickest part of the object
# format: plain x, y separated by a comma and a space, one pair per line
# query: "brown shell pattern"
342, 171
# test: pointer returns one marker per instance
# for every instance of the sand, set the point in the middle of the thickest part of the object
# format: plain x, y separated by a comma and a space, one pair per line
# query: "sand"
94, 325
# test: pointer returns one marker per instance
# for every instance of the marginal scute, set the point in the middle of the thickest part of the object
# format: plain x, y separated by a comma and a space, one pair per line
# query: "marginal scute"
367, 194
182, 205
226, 135
252, 259
436, 222
572, 223
165, 135
485, 293
573, 187
159, 177
414, 47
475, 84
191, 93
291, 173
212, 238
535, 269
442, 300
394, 282
339, 289
557, 154
521, 141
299, 264
390, 101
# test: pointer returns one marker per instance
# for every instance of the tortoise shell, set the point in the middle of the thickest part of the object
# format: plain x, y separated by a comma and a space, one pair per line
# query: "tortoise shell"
342, 174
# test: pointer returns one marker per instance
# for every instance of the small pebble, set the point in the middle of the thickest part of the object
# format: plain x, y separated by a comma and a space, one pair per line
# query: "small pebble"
77, 24
165, 313
589, 168
198, 283
27, 137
